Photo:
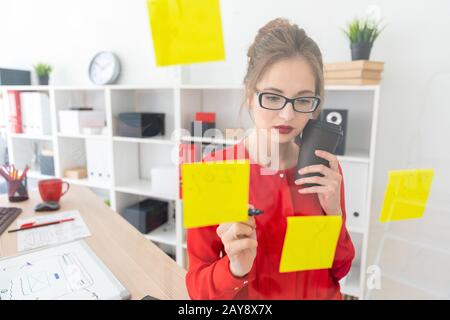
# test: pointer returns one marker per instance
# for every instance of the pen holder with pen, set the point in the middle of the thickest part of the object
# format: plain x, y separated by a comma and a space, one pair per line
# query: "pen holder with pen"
17, 190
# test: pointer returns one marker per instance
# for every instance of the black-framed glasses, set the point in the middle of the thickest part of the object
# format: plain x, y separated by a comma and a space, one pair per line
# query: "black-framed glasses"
273, 101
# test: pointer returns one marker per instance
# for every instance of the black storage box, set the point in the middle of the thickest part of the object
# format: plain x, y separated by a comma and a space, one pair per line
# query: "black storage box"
147, 215
14, 77
141, 124
198, 128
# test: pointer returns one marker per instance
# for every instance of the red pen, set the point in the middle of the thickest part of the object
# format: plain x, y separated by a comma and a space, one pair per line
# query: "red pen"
24, 172
5, 175
5, 170
32, 225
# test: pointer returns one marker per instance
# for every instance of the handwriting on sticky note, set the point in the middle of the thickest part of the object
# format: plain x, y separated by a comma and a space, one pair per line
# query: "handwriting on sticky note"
215, 192
186, 31
310, 243
406, 194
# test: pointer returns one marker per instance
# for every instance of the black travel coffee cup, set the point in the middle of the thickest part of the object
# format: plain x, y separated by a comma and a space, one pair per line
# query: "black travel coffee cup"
317, 135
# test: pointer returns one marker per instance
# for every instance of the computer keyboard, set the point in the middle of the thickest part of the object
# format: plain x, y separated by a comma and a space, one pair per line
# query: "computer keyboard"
7, 216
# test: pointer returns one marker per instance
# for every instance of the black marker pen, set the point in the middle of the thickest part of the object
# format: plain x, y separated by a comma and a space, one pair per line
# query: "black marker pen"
254, 212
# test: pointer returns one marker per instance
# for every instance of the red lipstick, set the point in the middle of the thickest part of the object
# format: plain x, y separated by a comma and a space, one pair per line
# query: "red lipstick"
284, 129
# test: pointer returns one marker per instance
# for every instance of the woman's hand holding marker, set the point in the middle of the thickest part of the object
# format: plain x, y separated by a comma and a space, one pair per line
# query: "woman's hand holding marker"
329, 191
240, 243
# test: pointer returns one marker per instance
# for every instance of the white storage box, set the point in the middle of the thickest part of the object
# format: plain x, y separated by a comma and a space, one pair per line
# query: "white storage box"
73, 121
165, 180
98, 162
355, 184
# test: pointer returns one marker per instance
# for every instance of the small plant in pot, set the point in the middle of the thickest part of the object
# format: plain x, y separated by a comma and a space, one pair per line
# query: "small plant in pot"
362, 33
43, 72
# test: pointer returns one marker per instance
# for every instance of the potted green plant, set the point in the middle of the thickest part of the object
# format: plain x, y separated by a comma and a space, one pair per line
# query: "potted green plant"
43, 72
362, 33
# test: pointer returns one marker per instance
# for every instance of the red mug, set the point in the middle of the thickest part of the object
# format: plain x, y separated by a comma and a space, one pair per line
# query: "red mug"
51, 189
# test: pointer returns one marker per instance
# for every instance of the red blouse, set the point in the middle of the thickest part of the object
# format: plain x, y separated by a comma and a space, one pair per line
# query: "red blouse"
209, 276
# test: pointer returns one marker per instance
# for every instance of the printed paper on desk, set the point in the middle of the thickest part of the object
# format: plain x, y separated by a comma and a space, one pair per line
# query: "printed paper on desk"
310, 242
186, 31
52, 234
215, 192
406, 194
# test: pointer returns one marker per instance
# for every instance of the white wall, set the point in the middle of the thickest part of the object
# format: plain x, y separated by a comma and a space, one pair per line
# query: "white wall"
415, 46
67, 34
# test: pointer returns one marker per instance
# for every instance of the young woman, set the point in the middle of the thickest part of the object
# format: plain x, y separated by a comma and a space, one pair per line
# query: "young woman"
241, 260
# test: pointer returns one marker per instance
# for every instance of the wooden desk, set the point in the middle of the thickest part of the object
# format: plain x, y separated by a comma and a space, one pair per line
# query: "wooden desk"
138, 264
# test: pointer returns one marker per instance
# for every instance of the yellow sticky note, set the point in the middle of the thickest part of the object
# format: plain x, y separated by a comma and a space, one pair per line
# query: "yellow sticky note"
406, 194
310, 243
215, 192
186, 31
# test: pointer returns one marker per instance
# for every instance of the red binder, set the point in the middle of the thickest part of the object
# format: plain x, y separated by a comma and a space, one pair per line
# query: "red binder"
14, 111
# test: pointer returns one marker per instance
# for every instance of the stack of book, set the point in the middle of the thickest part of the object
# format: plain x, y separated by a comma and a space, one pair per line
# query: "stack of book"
357, 72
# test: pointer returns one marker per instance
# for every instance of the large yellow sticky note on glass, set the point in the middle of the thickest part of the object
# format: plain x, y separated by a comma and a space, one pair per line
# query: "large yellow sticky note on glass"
310, 243
406, 194
186, 31
215, 192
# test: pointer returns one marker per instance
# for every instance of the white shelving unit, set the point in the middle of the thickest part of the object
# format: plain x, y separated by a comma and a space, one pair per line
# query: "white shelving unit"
164, 234
131, 159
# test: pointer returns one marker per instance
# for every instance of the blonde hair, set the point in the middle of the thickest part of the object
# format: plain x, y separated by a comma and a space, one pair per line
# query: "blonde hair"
277, 40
